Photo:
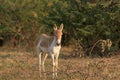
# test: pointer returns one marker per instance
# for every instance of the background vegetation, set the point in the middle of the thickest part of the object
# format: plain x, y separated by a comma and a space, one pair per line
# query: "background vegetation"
21, 21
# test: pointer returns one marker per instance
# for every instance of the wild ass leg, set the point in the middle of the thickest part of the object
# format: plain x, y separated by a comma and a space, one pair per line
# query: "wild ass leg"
56, 63
39, 63
39, 56
43, 62
53, 63
39, 59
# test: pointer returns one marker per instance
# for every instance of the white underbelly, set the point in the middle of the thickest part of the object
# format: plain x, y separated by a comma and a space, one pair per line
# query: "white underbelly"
45, 49
55, 49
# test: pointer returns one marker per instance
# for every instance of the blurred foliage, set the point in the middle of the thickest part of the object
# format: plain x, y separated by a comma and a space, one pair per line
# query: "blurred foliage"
84, 20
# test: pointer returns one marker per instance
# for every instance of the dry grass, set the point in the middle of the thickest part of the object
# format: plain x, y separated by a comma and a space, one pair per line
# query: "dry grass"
23, 66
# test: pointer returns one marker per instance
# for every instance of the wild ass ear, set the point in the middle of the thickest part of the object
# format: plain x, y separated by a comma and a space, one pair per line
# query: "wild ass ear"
61, 26
55, 27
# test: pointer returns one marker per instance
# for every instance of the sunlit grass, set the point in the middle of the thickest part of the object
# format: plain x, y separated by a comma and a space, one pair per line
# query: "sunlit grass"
24, 66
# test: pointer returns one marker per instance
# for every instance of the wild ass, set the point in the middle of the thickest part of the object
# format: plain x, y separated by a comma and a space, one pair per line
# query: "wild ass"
50, 45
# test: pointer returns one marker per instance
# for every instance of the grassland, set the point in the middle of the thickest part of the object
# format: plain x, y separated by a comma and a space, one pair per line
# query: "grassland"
23, 65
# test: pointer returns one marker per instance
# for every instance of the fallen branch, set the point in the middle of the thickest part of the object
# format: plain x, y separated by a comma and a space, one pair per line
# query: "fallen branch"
94, 46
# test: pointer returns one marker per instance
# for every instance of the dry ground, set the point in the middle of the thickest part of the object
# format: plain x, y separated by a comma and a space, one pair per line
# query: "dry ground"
23, 66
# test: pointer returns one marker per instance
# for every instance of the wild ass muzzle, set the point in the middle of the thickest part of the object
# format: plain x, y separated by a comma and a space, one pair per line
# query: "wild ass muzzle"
50, 45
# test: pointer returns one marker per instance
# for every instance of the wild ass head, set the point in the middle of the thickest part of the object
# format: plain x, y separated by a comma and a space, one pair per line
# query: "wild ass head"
58, 33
